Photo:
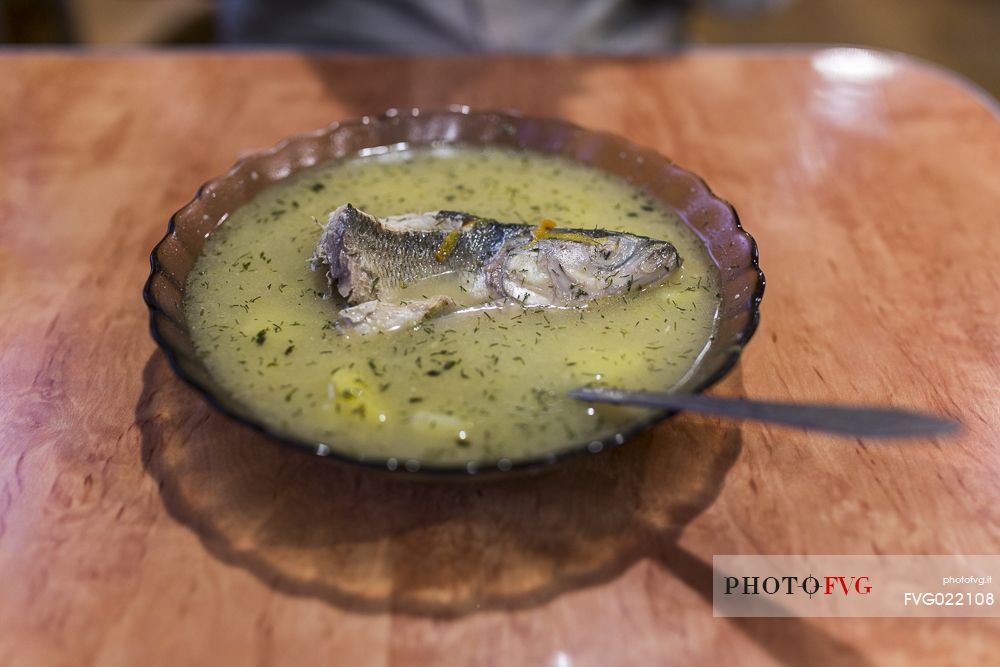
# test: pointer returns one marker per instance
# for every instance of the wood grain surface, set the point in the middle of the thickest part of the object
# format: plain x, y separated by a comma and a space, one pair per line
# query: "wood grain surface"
138, 527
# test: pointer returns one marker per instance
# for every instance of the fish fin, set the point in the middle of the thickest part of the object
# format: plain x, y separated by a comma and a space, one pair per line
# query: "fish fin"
380, 316
431, 221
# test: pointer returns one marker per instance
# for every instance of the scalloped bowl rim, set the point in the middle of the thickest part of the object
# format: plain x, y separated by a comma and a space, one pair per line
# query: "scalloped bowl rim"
471, 469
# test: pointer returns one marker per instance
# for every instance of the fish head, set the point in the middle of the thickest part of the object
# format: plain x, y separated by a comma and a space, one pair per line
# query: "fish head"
623, 262
556, 271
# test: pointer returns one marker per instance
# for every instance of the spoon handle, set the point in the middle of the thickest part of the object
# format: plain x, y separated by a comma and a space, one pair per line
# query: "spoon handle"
840, 419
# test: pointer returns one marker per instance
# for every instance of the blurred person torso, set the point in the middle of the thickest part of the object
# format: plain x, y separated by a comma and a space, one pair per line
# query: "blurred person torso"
443, 26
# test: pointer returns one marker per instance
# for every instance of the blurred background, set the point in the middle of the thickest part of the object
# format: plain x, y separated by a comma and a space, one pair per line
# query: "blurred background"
960, 34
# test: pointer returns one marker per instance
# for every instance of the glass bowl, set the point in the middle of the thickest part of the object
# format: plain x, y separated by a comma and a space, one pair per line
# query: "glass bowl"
732, 249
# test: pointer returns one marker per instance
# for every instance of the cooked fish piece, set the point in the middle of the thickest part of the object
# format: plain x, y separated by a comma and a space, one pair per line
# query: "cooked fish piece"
371, 259
373, 316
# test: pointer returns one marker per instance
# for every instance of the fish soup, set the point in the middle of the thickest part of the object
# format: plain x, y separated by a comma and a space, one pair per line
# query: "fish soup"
485, 383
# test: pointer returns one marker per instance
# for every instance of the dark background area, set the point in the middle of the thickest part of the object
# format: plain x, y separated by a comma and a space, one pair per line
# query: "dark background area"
960, 34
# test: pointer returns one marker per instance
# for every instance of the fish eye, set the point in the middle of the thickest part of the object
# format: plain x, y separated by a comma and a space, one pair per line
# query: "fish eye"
608, 251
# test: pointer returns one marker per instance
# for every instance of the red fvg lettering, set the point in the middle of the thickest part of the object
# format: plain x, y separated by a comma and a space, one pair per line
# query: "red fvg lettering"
858, 584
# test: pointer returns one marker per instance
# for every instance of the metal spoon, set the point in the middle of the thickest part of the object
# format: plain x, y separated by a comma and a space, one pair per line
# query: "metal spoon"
840, 419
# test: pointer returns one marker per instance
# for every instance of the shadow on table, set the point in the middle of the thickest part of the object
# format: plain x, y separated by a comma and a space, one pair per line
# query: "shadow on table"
372, 542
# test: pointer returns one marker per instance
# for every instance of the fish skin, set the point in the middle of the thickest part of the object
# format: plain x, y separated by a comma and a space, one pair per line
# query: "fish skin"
369, 259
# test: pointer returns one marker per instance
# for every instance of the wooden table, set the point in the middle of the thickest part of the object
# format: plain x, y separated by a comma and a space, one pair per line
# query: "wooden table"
137, 527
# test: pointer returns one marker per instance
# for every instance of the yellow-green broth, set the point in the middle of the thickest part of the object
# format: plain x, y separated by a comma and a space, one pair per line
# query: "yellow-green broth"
480, 386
